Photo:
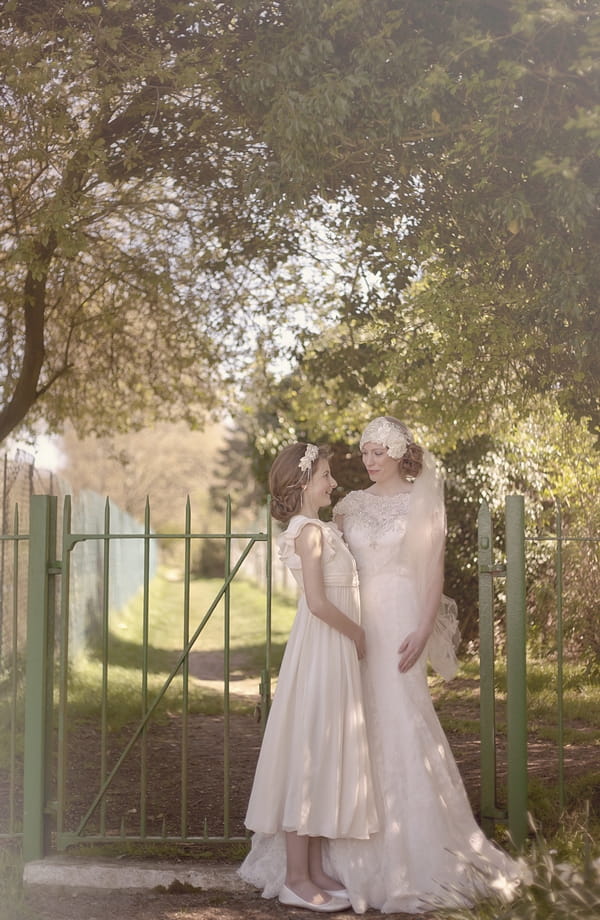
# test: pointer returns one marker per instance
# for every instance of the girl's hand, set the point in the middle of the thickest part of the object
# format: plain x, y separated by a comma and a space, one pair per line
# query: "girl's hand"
360, 641
411, 650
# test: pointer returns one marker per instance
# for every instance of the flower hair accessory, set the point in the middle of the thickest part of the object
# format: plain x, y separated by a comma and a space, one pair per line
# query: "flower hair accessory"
380, 431
310, 455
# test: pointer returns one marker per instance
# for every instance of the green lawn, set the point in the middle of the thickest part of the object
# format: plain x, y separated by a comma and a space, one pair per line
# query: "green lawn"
165, 617
164, 644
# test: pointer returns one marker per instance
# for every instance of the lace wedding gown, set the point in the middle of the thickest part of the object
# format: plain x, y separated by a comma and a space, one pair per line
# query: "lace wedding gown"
313, 774
429, 852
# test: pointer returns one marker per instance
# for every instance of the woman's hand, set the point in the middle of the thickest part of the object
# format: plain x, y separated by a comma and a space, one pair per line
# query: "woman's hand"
360, 641
411, 650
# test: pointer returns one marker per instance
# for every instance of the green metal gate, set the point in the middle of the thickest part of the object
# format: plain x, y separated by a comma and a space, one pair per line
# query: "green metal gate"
514, 573
47, 680
512, 569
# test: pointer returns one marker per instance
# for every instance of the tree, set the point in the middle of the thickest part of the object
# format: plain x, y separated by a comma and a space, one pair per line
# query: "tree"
166, 464
459, 143
161, 163
131, 252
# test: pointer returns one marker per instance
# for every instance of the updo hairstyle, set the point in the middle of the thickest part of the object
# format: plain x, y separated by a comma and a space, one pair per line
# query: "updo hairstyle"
411, 464
287, 480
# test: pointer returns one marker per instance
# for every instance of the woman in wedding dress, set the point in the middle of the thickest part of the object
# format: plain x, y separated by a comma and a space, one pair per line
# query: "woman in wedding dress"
313, 778
429, 852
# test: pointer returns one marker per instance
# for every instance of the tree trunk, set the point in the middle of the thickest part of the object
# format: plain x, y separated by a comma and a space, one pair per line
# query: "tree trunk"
26, 390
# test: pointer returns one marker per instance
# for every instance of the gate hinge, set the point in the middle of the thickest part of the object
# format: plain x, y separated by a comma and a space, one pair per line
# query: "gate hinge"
492, 570
55, 568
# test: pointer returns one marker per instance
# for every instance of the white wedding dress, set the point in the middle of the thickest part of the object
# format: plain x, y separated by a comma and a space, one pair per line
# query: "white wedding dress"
313, 774
429, 852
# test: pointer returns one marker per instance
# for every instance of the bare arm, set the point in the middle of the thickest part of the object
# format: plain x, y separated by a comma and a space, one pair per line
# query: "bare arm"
338, 520
309, 546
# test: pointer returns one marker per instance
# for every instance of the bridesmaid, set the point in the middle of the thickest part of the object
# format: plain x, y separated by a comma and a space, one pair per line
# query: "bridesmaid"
313, 777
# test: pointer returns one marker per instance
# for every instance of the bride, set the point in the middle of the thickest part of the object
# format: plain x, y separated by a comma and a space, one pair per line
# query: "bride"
429, 852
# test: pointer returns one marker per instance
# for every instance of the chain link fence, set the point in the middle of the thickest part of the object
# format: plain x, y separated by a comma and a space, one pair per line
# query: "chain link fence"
21, 479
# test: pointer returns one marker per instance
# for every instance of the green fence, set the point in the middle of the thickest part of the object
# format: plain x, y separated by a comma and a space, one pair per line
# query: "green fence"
50, 764
47, 822
14, 560
512, 572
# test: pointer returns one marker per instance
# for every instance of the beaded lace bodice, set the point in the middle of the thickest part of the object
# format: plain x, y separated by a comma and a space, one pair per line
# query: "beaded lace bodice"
374, 527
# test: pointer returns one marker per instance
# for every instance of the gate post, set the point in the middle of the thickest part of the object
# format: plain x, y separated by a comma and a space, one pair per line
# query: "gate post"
516, 669
38, 672
487, 713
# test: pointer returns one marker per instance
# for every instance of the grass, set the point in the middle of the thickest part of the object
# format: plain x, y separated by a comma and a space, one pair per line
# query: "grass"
166, 601
581, 697
458, 708
165, 640
556, 890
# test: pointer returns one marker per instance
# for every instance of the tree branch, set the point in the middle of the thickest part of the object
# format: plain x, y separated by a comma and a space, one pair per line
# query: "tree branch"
26, 389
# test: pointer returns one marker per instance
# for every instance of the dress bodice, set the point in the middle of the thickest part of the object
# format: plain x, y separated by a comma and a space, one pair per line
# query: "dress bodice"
339, 567
375, 529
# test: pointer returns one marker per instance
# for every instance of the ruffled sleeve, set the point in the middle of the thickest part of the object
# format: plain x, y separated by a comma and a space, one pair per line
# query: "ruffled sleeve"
286, 542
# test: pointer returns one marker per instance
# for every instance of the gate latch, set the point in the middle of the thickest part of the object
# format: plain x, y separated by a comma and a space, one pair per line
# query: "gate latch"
492, 570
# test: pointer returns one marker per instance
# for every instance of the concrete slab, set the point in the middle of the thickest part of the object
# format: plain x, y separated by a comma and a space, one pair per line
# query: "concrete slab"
60, 872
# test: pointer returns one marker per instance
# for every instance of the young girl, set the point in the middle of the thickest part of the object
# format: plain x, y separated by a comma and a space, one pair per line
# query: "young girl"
313, 776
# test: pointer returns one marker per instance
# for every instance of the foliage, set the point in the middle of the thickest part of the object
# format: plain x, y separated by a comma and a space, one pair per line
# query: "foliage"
173, 177
556, 891
132, 255
457, 148
165, 464
545, 456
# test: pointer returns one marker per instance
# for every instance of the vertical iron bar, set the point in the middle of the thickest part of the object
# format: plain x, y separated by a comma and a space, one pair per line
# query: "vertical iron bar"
266, 680
63, 690
516, 668
2, 552
105, 655
38, 685
487, 708
559, 660
226, 643
145, 664
186, 669
14, 696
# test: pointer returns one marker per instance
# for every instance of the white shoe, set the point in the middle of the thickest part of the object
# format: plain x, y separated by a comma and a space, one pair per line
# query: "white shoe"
338, 893
291, 899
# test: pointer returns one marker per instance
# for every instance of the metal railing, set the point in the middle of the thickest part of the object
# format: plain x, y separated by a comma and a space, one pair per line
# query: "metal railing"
47, 818
513, 570
560, 539
516, 667
11, 674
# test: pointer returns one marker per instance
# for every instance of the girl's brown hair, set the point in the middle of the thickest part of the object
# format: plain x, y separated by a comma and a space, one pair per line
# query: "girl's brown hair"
287, 480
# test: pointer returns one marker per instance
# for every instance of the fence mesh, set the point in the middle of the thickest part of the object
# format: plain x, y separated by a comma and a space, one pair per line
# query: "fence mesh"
21, 480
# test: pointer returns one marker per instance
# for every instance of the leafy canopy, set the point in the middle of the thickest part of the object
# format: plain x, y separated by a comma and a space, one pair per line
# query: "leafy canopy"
160, 162
131, 254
